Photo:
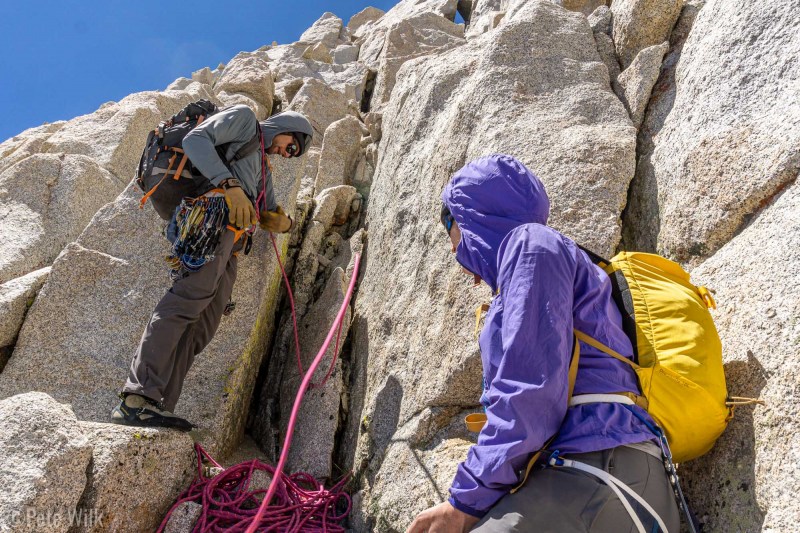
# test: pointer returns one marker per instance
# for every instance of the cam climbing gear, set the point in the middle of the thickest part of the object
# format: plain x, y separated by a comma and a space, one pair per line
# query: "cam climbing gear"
200, 223
165, 175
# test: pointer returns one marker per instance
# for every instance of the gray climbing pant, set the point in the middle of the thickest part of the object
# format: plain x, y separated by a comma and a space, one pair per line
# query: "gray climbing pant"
566, 500
182, 325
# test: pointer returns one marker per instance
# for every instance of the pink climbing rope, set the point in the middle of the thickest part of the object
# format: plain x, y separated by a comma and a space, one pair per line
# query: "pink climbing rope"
277, 479
294, 324
291, 304
229, 500
302, 503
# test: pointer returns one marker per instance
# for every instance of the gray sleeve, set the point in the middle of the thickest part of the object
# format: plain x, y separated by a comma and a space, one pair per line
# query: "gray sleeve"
236, 124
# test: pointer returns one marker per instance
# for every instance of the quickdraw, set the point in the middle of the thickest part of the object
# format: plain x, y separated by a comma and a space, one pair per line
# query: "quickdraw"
201, 223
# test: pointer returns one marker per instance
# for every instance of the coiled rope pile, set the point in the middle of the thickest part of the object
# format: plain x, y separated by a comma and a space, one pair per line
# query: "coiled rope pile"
230, 500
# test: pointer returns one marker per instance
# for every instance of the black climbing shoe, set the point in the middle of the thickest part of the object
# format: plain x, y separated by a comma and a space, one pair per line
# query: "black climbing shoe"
135, 410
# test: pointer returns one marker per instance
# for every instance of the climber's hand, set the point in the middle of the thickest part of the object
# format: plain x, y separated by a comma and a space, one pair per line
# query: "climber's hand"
241, 212
276, 221
443, 518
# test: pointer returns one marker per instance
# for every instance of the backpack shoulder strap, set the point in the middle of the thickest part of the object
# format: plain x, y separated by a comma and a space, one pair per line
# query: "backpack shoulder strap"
603, 348
249, 147
572, 375
596, 259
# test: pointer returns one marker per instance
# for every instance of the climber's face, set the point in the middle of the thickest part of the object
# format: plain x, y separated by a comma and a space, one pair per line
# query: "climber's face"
455, 236
455, 239
284, 145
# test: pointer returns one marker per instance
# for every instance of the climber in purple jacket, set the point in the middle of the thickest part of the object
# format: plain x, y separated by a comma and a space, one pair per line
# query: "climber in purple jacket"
495, 211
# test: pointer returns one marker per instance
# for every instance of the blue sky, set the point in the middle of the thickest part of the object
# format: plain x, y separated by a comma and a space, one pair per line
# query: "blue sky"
64, 58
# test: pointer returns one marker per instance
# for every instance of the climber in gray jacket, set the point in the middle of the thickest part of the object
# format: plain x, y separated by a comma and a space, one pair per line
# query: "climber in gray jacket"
187, 317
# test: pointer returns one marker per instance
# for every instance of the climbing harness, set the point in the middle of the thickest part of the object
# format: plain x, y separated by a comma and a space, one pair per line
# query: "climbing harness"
615, 485
229, 500
672, 471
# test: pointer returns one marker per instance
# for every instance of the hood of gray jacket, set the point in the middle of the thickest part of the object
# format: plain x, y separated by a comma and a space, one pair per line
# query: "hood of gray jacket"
288, 122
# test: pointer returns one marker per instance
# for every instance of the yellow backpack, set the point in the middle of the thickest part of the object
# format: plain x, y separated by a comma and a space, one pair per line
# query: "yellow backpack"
677, 347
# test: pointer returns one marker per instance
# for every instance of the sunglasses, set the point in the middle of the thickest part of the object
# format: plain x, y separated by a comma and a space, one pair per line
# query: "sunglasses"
447, 219
292, 149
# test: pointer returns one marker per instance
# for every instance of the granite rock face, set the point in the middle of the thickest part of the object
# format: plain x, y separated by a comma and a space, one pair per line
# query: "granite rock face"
115, 134
45, 202
227, 99
638, 79
184, 518
326, 30
339, 155
639, 24
16, 296
179, 84
134, 476
43, 460
723, 140
582, 6
322, 105
318, 52
319, 414
345, 53
367, 15
600, 20
399, 101
248, 74
421, 35
748, 482
485, 15
641, 216
27, 143
373, 36
543, 93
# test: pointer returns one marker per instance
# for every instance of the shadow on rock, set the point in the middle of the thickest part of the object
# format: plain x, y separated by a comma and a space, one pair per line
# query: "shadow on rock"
384, 425
721, 485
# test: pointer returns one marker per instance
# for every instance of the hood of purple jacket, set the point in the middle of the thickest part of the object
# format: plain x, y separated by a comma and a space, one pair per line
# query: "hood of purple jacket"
488, 198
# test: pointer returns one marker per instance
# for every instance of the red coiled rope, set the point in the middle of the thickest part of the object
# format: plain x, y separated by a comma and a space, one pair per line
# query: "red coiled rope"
230, 502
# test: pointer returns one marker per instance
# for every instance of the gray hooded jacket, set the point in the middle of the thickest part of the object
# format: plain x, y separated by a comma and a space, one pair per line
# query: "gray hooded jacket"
237, 125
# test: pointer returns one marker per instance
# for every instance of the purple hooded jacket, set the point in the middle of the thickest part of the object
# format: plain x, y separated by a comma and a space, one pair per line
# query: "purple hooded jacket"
545, 286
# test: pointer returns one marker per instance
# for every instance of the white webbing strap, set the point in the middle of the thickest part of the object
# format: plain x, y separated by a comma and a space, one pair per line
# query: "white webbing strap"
581, 399
615, 485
